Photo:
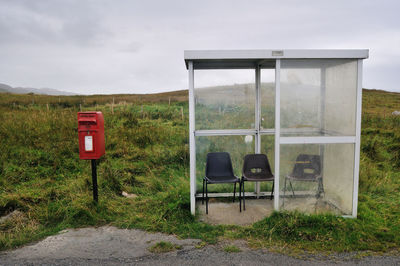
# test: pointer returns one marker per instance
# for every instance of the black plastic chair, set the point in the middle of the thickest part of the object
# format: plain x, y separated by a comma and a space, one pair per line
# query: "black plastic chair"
219, 171
256, 168
307, 169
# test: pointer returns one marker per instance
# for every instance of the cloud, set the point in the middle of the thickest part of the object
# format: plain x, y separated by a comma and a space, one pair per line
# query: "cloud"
50, 22
132, 47
121, 46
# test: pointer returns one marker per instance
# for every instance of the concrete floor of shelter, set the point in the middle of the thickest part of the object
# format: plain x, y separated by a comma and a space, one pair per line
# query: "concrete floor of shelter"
228, 212
223, 212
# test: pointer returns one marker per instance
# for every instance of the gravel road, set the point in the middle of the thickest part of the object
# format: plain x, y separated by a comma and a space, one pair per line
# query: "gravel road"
112, 246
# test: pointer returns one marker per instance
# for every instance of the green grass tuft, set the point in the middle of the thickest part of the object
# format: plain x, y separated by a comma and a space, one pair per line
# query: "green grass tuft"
163, 247
232, 249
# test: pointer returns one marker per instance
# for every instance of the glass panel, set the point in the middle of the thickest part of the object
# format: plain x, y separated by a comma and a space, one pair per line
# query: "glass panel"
318, 97
317, 178
341, 97
267, 98
236, 146
300, 97
224, 99
268, 148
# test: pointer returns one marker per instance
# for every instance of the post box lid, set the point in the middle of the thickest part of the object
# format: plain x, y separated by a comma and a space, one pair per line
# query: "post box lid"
88, 114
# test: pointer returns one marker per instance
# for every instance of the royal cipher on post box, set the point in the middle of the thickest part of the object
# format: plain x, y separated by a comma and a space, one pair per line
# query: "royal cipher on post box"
91, 135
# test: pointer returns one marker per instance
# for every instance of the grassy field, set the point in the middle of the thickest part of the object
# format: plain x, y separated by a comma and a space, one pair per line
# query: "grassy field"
147, 154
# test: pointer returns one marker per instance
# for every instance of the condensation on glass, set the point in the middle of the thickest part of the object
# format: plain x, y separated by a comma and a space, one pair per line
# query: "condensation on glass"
318, 97
224, 99
267, 93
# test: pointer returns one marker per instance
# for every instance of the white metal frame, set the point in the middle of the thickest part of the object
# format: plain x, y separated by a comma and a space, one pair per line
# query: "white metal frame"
225, 132
258, 120
277, 131
261, 54
192, 144
358, 138
317, 140
256, 59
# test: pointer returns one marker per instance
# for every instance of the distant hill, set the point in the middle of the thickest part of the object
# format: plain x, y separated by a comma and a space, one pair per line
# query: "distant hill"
20, 90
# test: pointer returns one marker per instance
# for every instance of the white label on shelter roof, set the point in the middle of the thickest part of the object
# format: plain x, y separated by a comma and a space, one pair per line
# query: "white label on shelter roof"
88, 143
277, 53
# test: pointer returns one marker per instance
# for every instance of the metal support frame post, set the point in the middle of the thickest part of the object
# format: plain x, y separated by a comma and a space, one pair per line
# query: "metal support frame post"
192, 144
277, 131
358, 137
322, 113
258, 121
322, 98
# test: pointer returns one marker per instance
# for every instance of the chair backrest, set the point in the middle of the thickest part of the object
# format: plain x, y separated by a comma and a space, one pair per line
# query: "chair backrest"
307, 166
256, 165
219, 164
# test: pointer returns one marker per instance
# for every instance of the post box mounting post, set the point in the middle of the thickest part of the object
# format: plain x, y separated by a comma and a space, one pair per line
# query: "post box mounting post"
94, 181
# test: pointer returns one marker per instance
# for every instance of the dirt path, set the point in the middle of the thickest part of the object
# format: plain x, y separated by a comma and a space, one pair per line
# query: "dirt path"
112, 246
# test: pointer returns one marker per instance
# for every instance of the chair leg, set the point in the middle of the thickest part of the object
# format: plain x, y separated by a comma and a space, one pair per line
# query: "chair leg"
320, 188
202, 199
234, 192
206, 197
272, 191
290, 183
322, 185
244, 202
240, 195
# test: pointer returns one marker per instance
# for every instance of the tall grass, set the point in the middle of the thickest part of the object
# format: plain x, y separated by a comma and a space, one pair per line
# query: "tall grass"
147, 154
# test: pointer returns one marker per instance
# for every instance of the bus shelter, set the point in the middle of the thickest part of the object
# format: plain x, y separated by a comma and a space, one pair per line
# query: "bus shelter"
295, 106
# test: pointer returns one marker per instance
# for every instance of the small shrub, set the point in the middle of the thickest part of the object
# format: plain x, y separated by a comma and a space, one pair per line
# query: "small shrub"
111, 179
131, 122
370, 148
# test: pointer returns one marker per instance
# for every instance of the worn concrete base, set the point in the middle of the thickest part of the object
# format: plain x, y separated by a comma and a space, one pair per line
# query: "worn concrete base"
228, 213
257, 209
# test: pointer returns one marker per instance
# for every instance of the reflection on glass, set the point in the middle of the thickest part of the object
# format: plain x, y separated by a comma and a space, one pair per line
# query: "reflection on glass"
317, 178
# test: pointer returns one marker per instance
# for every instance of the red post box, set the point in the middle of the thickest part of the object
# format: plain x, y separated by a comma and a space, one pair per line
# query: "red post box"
91, 135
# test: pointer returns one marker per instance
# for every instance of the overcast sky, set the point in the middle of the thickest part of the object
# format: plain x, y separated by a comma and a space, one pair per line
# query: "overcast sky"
126, 46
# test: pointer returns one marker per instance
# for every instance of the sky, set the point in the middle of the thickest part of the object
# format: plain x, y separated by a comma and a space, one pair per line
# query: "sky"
121, 46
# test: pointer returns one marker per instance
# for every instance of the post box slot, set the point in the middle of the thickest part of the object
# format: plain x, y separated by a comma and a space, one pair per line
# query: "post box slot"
87, 121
